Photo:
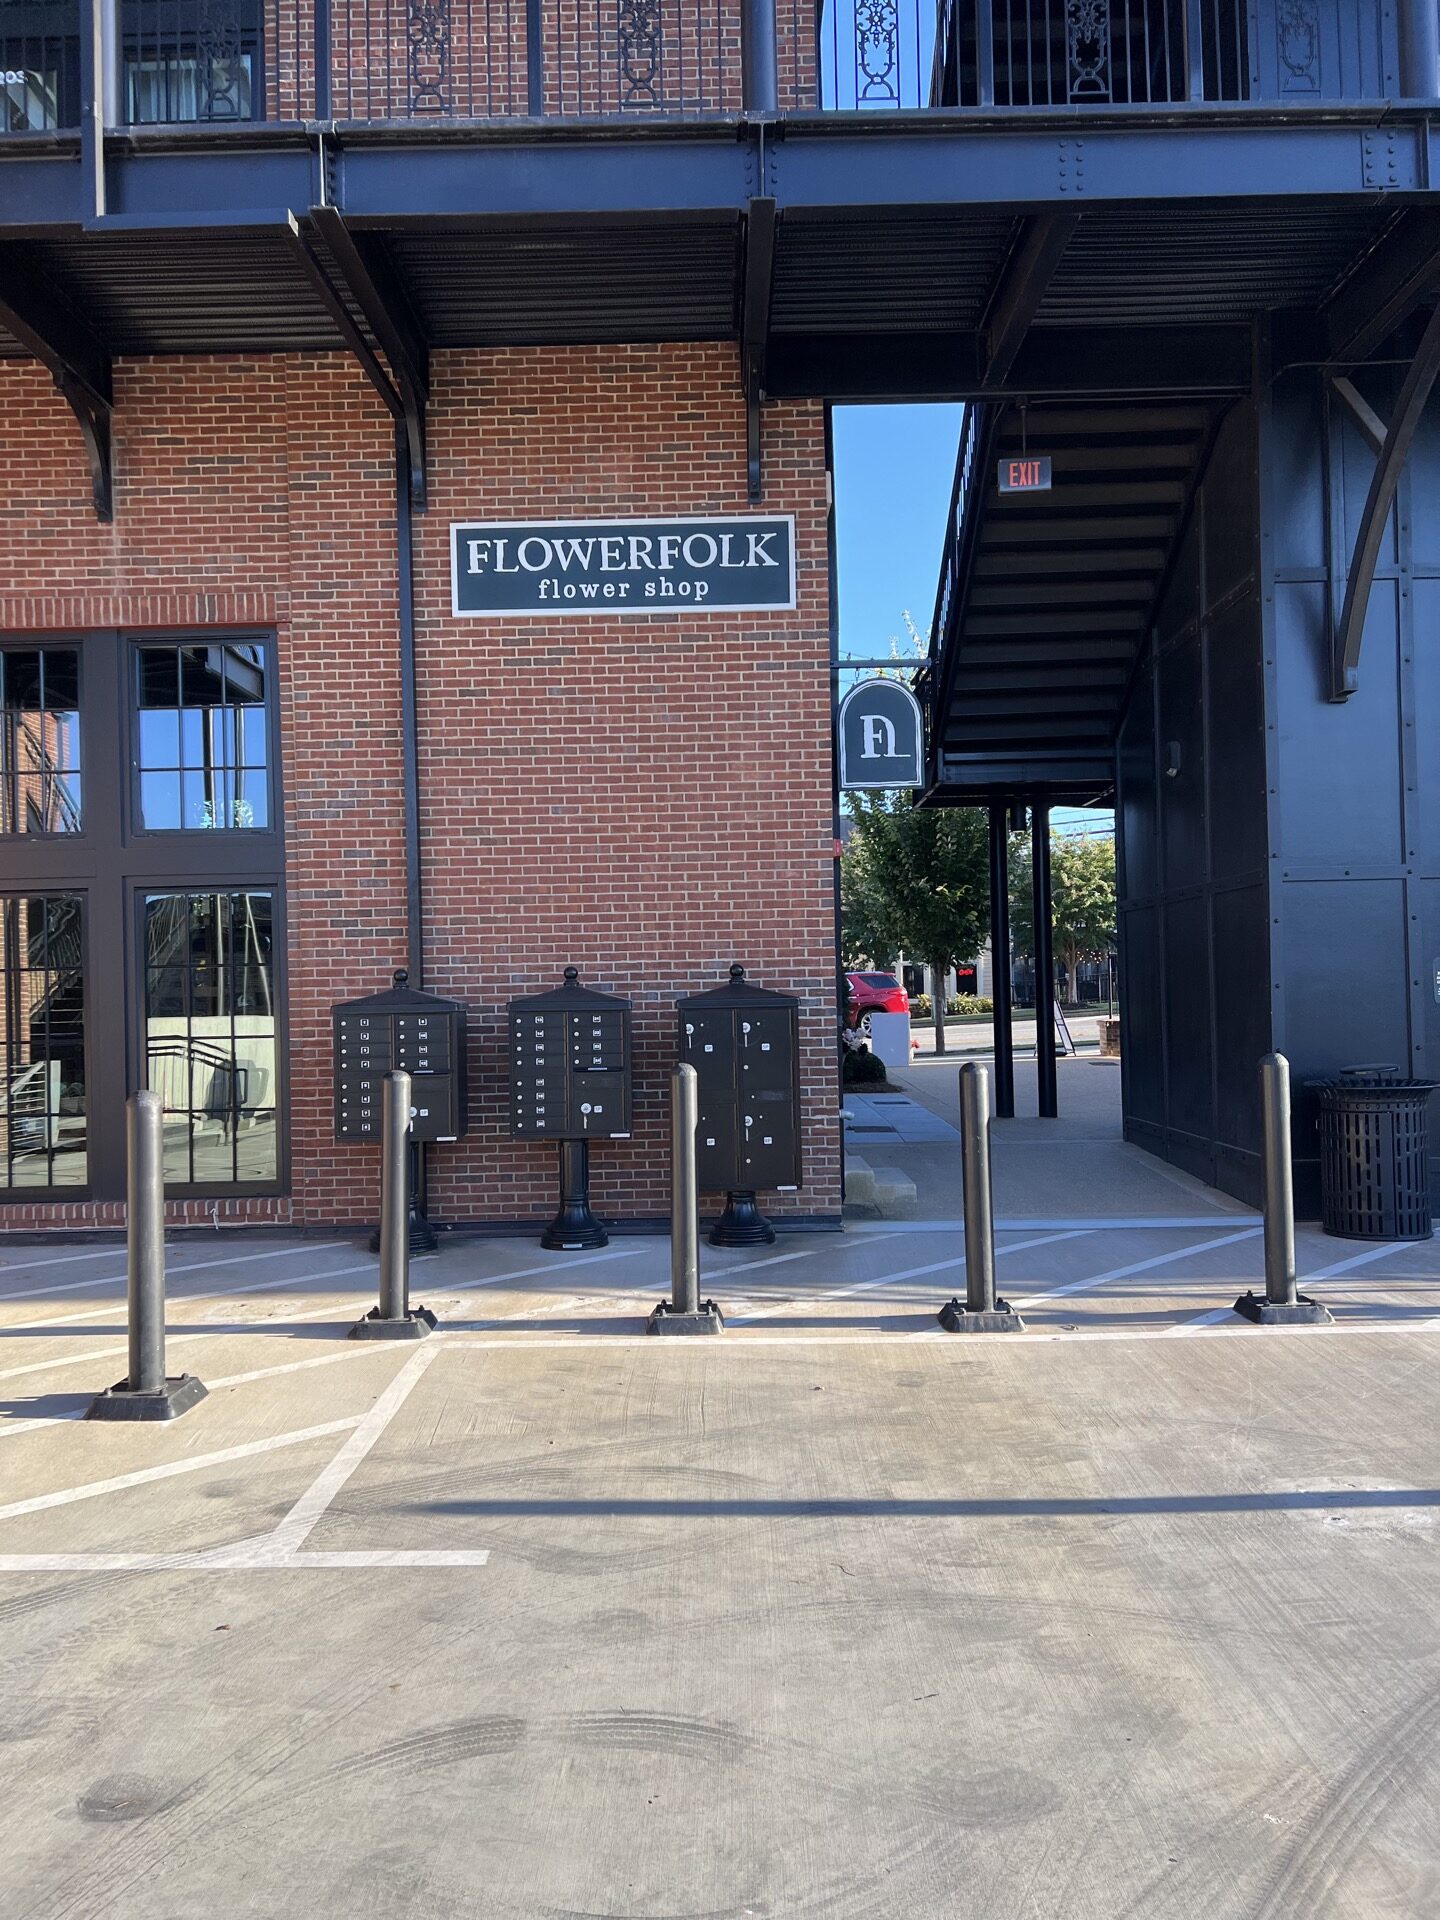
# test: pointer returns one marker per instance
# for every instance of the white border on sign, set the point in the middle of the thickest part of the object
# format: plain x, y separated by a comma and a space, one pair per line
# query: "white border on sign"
611, 609
884, 786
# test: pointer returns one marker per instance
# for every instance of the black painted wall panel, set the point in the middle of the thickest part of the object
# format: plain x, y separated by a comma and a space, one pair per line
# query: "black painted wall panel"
1235, 734
1339, 763
1195, 919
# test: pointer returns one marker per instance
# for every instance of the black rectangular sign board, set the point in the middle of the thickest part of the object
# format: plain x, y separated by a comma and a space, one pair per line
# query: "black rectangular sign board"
402, 1030
1024, 473
736, 563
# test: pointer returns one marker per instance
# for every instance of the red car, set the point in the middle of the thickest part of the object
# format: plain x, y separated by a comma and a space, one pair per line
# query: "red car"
873, 993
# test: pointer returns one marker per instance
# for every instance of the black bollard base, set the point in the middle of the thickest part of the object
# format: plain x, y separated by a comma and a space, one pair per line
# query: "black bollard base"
414, 1326
1301, 1312
177, 1396
741, 1224
665, 1319
955, 1317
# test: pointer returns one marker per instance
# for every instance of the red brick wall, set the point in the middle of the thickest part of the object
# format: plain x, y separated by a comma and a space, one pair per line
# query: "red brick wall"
648, 798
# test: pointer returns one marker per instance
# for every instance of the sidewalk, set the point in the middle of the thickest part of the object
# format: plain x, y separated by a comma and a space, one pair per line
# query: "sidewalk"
1077, 1166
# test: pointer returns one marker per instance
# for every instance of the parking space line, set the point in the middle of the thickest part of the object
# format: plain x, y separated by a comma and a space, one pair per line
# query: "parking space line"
1364, 1259
300, 1521
195, 1266
196, 1463
207, 1562
1163, 1223
1136, 1266
906, 1273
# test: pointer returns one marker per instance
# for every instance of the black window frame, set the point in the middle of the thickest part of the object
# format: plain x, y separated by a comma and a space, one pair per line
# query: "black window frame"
113, 863
135, 644
48, 1192
12, 643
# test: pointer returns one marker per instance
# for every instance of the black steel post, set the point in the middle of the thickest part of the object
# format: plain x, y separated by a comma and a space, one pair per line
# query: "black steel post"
322, 60
1002, 1016
574, 1226
394, 1319
683, 1312
1283, 1304
1419, 25
145, 1393
1048, 1093
982, 1312
534, 58
759, 82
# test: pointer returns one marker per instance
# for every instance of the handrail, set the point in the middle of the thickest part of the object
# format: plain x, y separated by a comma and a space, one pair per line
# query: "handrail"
228, 62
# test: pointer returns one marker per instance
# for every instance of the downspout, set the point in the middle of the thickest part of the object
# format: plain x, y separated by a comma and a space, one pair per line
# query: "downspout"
409, 720
410, 785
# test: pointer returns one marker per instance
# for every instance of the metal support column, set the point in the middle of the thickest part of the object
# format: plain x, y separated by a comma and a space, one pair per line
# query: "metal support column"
1002, 1014
1419, 35
1048, 1097
759, 81
683, 1311
394, 1318
982, 1312
1283, 1304
145, 1393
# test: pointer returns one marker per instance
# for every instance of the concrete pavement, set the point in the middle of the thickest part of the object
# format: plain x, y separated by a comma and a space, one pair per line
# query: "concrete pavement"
836, 1615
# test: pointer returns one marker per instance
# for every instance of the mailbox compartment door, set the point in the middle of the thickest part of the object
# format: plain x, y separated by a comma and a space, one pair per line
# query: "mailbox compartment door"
765, 1048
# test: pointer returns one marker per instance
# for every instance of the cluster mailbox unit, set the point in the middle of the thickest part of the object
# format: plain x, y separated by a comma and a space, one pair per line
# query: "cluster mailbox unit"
570, 1081
744, 1044
407, 1031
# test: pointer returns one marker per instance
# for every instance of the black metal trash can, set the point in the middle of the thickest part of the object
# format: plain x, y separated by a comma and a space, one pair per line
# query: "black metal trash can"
1374, 1149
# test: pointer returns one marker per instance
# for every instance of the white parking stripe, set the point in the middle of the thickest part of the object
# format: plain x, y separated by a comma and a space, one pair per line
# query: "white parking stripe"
889, 1279
195, 1266
1136, 1266
173, 1468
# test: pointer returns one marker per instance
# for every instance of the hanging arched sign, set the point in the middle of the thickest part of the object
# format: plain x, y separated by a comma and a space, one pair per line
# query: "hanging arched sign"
881, 736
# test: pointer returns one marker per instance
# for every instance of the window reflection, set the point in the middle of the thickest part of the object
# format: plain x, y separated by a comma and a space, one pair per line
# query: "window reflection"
203, 747
42, 1041
211, 1034
39, 740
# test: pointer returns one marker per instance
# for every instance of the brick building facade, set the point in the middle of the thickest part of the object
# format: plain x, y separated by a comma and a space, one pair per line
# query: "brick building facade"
647, 799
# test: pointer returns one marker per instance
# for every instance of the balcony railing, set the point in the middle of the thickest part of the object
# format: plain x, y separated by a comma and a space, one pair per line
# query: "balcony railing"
232, 62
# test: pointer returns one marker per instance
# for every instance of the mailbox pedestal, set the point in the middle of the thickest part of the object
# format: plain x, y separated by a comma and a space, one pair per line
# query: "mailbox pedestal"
411, 1032
570, 1081
744, 1045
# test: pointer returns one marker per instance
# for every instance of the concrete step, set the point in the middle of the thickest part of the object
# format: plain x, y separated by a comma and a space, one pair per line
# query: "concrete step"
887, 1189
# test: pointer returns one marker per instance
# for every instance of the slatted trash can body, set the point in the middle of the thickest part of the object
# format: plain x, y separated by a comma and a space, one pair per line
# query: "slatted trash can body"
1374, 1152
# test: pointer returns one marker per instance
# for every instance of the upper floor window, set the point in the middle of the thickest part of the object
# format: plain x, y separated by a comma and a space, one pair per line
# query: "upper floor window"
39, 740
203, 742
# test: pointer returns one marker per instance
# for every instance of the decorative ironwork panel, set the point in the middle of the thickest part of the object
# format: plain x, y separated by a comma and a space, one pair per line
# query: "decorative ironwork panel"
877, 51
427, 32
642, 40
224, 82
1087, 48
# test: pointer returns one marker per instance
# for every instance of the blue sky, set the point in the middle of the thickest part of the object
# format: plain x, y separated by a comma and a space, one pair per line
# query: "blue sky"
894, 467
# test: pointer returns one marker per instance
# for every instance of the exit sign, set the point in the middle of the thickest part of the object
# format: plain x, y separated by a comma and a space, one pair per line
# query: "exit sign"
1029, 473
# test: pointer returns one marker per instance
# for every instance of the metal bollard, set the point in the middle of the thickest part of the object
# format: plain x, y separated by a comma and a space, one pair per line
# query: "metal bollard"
982, 1312
394, 1319
145, 1393
1283, 1304
684, 1312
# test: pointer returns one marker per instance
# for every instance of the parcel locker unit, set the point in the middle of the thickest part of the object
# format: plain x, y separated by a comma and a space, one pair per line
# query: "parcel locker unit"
407, 1030
570, 1064
744, 1044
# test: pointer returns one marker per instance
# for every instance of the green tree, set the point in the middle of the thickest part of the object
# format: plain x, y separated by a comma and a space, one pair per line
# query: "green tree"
1082, 886
863, 939
923, 875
